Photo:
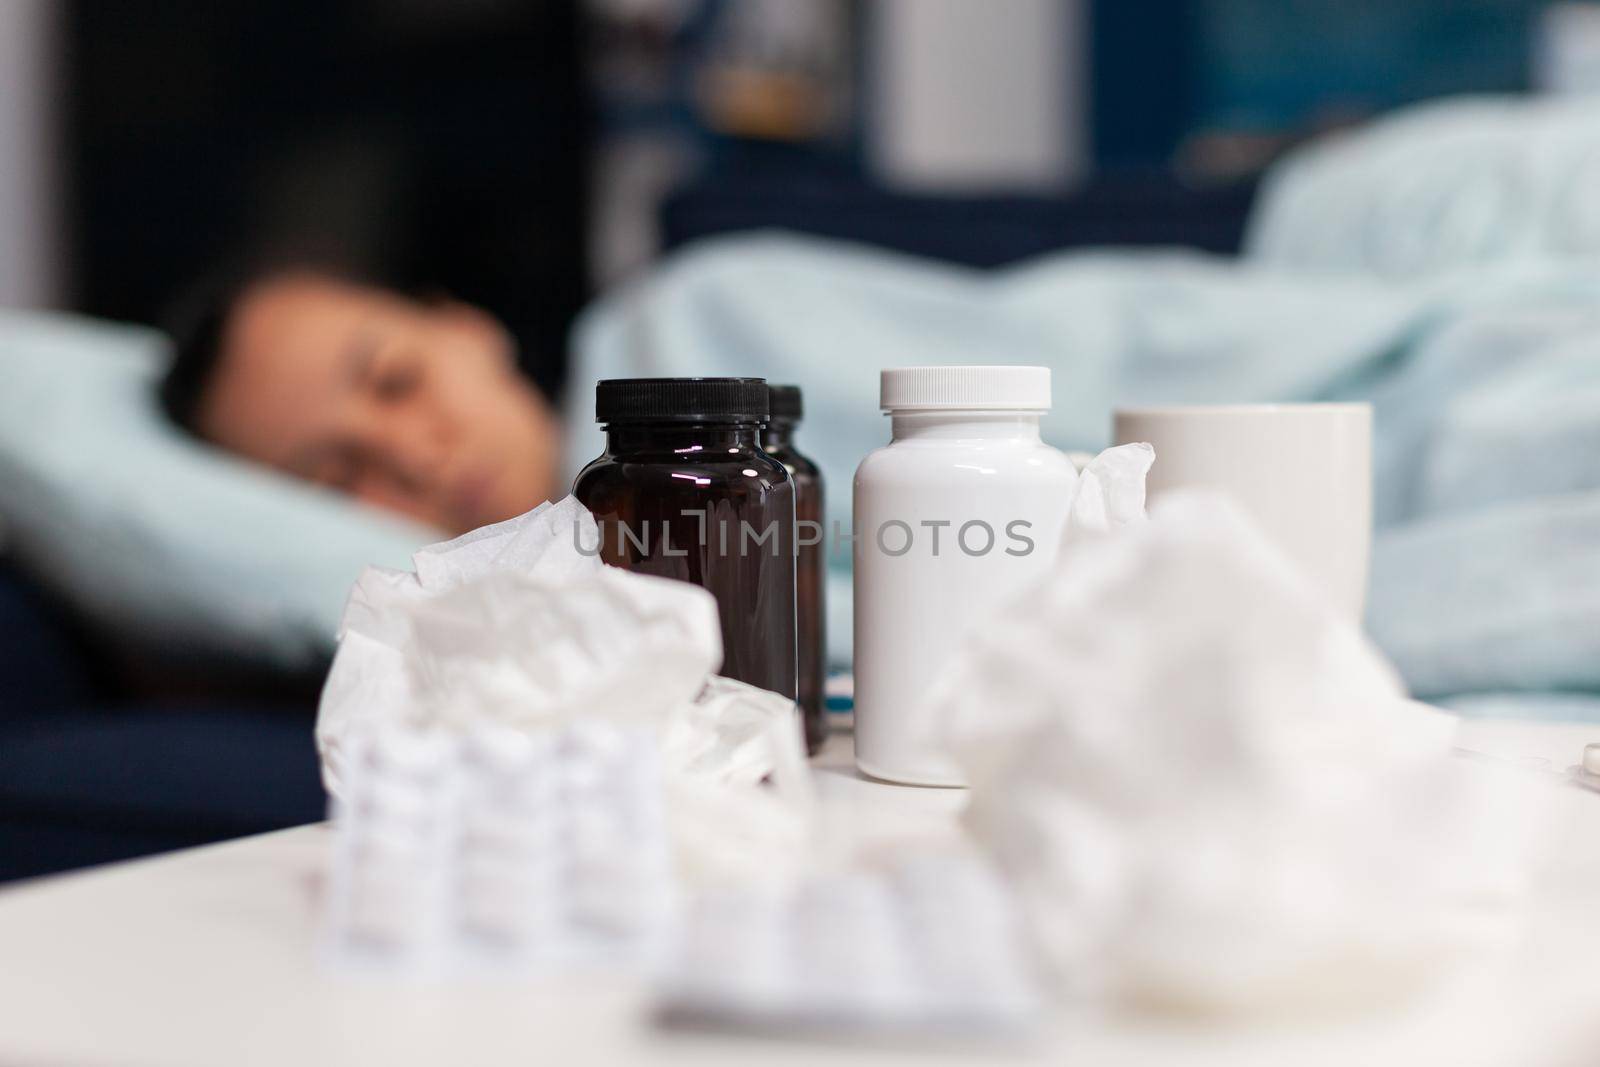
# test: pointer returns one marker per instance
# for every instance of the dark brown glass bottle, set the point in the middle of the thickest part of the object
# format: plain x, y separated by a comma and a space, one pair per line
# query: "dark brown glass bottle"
684, 490
810, 564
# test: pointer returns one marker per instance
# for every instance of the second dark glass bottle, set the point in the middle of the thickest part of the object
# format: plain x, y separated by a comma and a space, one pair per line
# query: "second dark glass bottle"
810, 565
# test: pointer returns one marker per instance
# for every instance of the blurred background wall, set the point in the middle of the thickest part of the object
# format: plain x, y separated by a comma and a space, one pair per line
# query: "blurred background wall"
31, 240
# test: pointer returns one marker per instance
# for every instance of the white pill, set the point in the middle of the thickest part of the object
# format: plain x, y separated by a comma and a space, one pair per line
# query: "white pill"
418, 752
389, 842
1591, 758
503, 750
495, 830
531, 870
396, 799
505, 909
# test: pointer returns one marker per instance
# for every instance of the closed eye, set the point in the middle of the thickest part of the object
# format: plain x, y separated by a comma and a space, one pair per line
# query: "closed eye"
396, 381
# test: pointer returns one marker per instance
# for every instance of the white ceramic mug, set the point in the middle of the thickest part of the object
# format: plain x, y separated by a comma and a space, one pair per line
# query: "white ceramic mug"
1302, 471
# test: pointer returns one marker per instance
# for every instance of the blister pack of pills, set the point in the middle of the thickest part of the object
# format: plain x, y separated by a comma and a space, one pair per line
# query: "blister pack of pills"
928, 947
500, 850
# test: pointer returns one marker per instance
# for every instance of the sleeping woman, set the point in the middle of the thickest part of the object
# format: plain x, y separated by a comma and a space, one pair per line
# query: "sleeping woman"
415, 407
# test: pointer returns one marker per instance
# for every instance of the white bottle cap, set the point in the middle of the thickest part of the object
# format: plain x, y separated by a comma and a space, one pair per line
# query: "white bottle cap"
965, 388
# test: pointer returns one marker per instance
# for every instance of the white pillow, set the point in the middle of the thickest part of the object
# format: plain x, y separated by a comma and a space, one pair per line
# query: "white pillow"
158, 538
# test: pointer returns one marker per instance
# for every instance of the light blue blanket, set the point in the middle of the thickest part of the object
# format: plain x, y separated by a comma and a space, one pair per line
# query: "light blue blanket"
1486, 385
1484, 369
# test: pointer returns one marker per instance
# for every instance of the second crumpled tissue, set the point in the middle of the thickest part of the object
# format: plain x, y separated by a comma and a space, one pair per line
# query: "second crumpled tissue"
1206, 785
1110, 492
520, 624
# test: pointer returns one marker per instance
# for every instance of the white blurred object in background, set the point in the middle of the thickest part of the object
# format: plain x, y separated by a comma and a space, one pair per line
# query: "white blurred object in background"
29, 242
1567, 49
977, 96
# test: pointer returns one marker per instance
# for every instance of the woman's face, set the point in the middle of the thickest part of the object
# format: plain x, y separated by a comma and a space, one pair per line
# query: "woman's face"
416, 408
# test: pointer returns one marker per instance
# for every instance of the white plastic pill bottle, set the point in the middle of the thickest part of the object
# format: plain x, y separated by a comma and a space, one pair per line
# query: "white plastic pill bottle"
960, 512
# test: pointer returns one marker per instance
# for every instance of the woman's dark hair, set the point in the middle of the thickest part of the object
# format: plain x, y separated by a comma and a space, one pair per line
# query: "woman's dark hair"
198, 329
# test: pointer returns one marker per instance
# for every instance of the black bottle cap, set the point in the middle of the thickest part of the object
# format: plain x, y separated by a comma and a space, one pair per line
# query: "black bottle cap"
785, 402
618, 400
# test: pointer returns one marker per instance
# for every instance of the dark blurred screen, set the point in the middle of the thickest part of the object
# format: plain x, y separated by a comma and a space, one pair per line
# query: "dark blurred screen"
435, 145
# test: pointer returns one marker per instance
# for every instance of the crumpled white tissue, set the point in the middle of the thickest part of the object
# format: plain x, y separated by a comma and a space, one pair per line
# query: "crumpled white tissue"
1110, 491
1205, 783
516, 624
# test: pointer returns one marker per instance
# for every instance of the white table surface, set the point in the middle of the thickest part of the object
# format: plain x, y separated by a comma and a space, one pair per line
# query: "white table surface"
206, 957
